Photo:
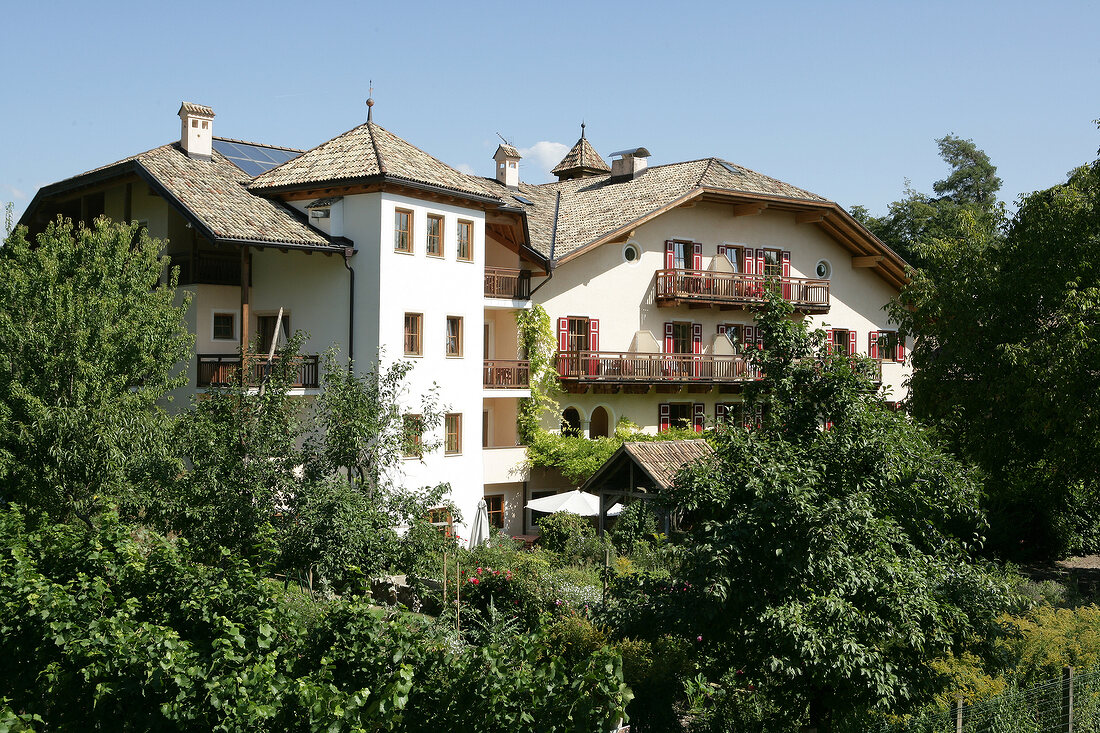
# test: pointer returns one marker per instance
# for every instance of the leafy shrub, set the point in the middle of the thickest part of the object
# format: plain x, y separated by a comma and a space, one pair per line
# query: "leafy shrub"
514, 596
112, 628
636, 523
575, 638
558, 529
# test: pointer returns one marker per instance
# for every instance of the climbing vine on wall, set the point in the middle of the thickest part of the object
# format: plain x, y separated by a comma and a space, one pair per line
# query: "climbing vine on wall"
537, 337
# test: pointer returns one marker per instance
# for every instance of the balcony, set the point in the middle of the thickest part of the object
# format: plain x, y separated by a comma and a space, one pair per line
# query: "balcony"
727, 289
220, 370
631, 367
507, 284
505, 374
208, 269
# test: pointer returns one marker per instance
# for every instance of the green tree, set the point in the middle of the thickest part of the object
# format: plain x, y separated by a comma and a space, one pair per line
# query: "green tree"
828, 565
91, 339
967, 196
1007, 362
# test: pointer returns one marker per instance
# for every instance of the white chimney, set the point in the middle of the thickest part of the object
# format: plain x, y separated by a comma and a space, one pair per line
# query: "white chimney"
628, 164
197, 128
507, 159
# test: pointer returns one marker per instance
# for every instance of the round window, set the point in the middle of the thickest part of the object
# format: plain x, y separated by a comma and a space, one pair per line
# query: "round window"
823, 269
631, 253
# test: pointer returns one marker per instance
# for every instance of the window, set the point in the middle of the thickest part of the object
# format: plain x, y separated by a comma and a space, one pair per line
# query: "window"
414, 330
402, 231
840, 341
682, 338
773, 263
465, 240
578, 334
823, 269
679, 255
454, 336
679, 415
536, 515
631, 253
412, 436
735, 333
887, 346
225, 327
571, 422
495, 505
265, 327
735, 256
435, 235
452, 433
441, 519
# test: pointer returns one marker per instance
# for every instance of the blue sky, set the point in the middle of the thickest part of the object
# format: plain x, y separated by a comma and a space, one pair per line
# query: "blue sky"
844, 99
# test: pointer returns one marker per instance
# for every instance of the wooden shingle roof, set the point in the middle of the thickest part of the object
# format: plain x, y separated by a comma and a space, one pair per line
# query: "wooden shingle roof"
659, 461
582, 160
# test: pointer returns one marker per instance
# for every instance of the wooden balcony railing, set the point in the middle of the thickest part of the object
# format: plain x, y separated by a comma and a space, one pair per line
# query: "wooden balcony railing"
728, 288
510, 284
224, 369
623, 367
604, 366
208, 269
504, 374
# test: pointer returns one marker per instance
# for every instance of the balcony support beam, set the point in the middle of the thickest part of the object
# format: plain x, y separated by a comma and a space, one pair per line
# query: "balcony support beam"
867, 261
810, 217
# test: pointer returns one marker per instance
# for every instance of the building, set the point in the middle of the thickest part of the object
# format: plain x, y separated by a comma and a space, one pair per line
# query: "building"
367, 242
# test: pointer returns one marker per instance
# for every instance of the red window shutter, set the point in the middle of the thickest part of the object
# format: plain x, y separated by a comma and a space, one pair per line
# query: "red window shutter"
851, 343
668, 338
721, 250
719, 413
829, 334
759, 262
749, 263
900, 353
872, 344
828, 424
563, 334
594, 334
697, 256
664, 415
698, 416
785, 259
750, 335
670, 254
697, 338
722, 328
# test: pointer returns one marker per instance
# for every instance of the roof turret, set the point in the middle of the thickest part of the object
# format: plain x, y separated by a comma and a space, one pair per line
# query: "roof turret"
581, 161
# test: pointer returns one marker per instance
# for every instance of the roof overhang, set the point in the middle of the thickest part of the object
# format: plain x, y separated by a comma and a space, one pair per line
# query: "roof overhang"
827, 215
135, 168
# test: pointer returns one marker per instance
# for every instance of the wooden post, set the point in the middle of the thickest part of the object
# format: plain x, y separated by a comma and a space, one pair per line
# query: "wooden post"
458, 596
606, 571
1067, 698
444, 583
959, 714
246, 301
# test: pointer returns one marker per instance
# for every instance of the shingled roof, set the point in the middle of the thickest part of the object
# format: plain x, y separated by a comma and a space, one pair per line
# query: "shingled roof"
213, 194
369, 151
581, 161
592, 207
658, 460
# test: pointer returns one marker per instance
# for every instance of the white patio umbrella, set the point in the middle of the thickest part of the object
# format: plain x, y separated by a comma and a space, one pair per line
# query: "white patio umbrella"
479, 530
575, 502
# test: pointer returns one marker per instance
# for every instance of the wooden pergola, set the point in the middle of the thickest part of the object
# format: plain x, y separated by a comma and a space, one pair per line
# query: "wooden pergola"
637, 471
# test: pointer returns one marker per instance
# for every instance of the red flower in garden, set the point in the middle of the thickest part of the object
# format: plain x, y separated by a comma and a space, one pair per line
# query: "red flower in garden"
474, 581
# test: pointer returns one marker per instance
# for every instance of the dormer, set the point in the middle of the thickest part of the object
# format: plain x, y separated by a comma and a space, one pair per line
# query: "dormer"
507, 159
197, 129
628, 164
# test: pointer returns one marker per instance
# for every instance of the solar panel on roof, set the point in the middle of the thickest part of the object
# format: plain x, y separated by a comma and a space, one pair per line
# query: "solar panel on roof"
731, 168
523, 200
253, 159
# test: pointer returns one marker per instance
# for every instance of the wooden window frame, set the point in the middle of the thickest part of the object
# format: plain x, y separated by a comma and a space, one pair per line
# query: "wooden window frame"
892, 341
679, 325
469, 227
397, 232
684, 422
412, 435
778, 262
233, 326
496, 514
836, 344
454, 449
418, 319
459, 337
438, 238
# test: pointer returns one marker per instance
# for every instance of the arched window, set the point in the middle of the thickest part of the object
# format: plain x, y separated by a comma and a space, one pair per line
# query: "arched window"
598, 424
571, 422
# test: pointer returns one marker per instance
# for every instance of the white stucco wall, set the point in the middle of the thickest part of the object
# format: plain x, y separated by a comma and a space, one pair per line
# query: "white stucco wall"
601, 284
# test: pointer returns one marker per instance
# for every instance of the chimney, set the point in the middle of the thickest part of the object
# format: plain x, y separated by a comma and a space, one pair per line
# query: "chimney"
628, 164
507, 159
196, 130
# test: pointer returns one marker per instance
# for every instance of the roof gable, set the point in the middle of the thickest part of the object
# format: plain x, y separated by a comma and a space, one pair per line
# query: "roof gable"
582, 160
